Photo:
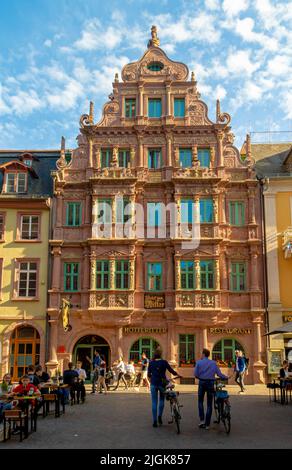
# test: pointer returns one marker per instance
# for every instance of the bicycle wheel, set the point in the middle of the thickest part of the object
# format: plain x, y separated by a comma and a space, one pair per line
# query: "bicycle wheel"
226, 418
177, 417
217, 411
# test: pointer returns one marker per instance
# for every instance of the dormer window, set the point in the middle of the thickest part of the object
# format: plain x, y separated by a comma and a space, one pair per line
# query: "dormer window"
15, 182
27, 162
155, 66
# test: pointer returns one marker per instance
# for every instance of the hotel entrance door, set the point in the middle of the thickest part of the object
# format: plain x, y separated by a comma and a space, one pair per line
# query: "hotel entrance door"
84, 352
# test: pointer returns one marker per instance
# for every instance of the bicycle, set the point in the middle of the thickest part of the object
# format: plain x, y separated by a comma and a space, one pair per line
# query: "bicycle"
222, 405
172, 396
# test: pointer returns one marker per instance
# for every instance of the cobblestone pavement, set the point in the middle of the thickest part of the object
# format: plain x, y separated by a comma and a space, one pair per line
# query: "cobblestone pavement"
122, 420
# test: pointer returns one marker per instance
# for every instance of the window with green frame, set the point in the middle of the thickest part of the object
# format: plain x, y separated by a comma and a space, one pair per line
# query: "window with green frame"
154, 158
124, 158
154, 107
122, 274
185, 157
71, 277
207, 274
154, 214
154, 276
187, 274
179, 107
122, 210
206, 210
187, 211
238, 276
73, 214
106, 158
186, 349
102, 274
224, 351
104, 211
236, 213
146, 345
204, 157
130, 107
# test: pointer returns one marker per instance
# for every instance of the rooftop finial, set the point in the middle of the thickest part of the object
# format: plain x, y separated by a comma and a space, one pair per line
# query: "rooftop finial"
193, 79
154, 42
91, 112
116, 77
63, 143
218, 110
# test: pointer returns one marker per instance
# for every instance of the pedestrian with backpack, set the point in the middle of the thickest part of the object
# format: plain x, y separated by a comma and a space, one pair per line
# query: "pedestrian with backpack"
240, 369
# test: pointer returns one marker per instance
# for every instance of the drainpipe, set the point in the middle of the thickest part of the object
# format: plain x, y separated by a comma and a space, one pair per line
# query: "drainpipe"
49, 273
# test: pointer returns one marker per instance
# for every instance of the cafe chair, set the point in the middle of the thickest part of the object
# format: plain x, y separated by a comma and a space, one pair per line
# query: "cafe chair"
274, 390
288, 392
15, 418
49, 398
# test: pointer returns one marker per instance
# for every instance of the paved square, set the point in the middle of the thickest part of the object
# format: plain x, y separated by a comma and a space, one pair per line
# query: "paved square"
122, 420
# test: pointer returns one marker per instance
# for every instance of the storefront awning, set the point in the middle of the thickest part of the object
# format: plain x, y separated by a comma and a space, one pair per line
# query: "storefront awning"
287, 328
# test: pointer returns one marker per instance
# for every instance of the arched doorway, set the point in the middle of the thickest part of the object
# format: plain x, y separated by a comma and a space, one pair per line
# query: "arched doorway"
224, 351
24, 350
147, 345
84, 350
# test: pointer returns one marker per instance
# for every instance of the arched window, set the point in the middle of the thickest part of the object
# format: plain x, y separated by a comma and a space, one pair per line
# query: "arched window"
224, 350
155, 66
24, 350
146, 345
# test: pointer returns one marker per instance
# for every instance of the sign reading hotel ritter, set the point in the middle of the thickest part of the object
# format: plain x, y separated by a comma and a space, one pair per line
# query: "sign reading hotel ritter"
136, 329
154, 301
231, 331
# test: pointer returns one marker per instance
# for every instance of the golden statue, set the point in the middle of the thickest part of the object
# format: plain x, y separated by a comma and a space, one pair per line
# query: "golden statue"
154, 42
65, 315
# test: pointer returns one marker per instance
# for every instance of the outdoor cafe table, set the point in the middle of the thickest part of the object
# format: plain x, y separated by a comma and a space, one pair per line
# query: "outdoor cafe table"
283, 390
29, 401
53, 387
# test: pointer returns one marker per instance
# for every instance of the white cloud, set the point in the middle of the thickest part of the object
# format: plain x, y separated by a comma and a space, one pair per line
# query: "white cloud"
48, 43
25, 102
279, 66
239, 63
212, 4
245, 29
95, 36
220, 92
234, 7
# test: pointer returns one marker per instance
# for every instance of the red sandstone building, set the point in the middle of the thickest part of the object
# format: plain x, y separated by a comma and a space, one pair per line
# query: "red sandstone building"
157, 282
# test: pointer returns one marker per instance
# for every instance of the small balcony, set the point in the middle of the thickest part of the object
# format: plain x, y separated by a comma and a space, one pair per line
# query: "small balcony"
287, 243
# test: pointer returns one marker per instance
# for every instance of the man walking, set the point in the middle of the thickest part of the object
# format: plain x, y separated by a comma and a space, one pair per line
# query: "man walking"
96, 367
240, 368
205, 371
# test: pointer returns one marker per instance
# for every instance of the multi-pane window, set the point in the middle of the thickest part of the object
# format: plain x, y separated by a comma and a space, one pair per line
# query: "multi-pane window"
71, 277
154, 107
27, 285
187, 274
122, 274
73, 214
154, 158
102, 274
130, 107
206, 210
238, 276
104, 212
146, 345
204, 157
154, 214
2, 218
29, 227
207, 274
186, 349
224, 350
122, 210
179, 107
185, 158
16, 182
24, 350
236, 213
154, 276
124, 158
106, 157
187, 211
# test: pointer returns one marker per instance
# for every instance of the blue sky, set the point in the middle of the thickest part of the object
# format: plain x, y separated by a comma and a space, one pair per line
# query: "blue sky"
57, 55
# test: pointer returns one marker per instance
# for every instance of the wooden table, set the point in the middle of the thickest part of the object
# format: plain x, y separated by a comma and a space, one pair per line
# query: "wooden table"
30, 401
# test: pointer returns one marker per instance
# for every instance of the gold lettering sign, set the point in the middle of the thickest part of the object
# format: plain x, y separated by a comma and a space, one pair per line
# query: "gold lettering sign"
154, 301
135, 329
287, 318
230, 331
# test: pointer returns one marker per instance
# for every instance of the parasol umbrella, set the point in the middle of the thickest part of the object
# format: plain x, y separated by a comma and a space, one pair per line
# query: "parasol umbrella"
287, 328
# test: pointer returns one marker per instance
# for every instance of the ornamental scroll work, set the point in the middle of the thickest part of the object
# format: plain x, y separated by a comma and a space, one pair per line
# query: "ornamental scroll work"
104, 300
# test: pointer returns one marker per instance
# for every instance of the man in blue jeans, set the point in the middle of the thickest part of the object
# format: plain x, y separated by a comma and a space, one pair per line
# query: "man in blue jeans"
205, 371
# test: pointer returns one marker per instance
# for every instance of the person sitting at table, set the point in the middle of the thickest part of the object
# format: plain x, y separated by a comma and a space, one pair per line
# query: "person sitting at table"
80, 385
284, 373
70, 378
34, 379
26, 387
43, 378
5, 393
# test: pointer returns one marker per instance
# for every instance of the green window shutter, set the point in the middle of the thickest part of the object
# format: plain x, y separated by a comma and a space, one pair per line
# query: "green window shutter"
122, 274
238, 276
204, 157
185, 158
237, 213
130, 107
206, 210
179, 107
154, 276
154, 108
73, 214
106, 158
154, 158
207, 274
187, 274
71, 277
124, 158
102, 274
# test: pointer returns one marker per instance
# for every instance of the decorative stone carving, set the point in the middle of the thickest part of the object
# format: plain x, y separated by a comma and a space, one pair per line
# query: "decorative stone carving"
198, 113
208, 300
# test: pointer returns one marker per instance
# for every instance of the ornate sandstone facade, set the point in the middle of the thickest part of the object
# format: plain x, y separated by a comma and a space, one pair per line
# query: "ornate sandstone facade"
161, 281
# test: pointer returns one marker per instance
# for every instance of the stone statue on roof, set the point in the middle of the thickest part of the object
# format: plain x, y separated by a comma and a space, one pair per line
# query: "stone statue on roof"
154, 42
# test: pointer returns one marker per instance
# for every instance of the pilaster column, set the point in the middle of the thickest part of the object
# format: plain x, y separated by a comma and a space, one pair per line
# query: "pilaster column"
112, 266
224, 272
212, 157
132, 274
251, 206
169, 151
141, 152
254, 271
87, 209
56, 272
93, 272
53, 340
59, 209
220, 148
98, 157
205, 338
258, 340
176, 156
194, 155
169, 278
178, 215
197, 275
139, 270
217, 274
115, 160
94, 211
90, 153
132, 157
177, 274
223, 208
141, 100
168, 101
215, 209
86, 270
196, 209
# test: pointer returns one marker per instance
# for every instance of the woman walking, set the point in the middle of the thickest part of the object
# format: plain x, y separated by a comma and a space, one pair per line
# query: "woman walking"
101, 379
156, 373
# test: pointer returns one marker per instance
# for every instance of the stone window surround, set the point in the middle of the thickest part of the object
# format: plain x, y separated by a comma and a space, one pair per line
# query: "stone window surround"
16, 172
2, 238
17, 261
19, 226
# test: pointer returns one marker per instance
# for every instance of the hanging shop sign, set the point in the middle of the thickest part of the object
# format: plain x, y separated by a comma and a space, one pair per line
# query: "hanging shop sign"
134, 329
230, 331
154, 301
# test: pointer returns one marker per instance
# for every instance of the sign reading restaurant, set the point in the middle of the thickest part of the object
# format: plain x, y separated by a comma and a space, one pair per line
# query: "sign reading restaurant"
231, 331
154, 301
134, 329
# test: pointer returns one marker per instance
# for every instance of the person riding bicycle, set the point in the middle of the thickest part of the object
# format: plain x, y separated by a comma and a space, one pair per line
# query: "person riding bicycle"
205, 371
156, 373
